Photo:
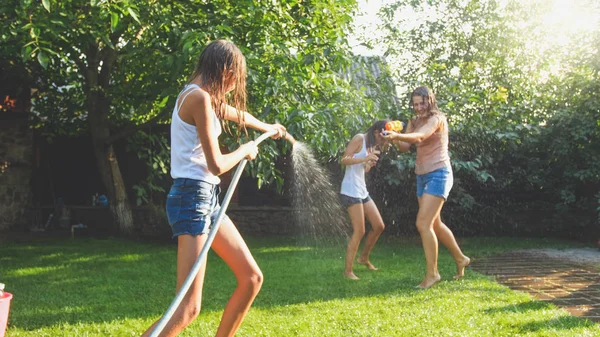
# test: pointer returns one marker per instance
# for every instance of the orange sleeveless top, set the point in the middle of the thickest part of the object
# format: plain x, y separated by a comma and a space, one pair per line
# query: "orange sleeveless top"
432, 153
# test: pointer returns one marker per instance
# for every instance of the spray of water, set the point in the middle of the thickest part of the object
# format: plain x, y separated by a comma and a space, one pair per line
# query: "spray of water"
319, 214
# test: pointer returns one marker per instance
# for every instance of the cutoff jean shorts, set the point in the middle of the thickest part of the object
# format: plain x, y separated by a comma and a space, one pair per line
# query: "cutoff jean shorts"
438, 183
192, 206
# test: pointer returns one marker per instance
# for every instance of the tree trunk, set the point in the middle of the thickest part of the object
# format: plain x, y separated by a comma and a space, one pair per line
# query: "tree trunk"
98, 107
118, 202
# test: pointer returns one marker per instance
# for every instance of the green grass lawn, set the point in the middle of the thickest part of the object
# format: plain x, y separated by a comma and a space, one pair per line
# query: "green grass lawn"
87, 287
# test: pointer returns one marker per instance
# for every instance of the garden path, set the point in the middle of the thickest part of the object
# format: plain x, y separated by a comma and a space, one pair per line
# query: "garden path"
570, 281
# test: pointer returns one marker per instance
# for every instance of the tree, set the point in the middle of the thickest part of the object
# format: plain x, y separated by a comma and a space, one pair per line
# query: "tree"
112, 68
510, 76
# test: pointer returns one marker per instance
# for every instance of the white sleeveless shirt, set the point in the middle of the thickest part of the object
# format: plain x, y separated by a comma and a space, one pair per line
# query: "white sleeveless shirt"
353, 184
187, 156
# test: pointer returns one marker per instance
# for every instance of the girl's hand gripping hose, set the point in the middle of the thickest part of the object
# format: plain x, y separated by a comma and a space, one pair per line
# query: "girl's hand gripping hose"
213, 231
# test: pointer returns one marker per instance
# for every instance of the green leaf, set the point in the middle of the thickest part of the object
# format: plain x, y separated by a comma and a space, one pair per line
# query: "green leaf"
34, 32
224, 28
43, 59
46, 4
114, 21
26, 53
106, 40
49, 50
133, 15
163, 102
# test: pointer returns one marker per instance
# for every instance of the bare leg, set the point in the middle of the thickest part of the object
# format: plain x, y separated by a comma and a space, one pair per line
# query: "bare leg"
445, 235
429, 208
377, 228
188, 249
357, 217
230, 246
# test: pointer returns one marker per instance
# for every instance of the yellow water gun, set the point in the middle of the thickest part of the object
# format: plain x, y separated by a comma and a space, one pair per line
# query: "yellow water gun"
395, 126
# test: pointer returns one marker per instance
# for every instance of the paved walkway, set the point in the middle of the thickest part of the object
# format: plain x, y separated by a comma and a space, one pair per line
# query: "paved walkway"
572, 286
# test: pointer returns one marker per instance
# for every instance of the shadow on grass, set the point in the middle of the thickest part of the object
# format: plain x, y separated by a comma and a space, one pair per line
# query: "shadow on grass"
562, 323
566, 322
521, 307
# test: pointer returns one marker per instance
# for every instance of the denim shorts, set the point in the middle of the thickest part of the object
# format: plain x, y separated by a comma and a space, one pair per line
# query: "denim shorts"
438, 183
349, 201
192, 206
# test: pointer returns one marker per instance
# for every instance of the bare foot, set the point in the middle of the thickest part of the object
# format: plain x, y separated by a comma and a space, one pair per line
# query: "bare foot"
460, 268
366, 263
429, 281
351, 276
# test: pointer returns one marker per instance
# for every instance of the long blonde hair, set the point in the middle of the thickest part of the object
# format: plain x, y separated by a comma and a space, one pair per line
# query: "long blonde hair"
218, 62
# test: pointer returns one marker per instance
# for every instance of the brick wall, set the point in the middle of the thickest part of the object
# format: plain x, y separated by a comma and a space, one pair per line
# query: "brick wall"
272, 220
16, 155
254, 220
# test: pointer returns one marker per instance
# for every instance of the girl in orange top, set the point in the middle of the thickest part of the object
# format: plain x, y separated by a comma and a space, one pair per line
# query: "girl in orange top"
429, 132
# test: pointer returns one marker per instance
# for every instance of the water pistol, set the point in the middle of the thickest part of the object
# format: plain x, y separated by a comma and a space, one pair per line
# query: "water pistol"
395, 126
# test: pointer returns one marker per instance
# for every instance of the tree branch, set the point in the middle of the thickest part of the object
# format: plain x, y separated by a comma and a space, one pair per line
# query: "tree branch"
129, 130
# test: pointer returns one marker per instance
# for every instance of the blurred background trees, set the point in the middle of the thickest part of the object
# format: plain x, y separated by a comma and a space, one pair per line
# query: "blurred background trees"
519, 82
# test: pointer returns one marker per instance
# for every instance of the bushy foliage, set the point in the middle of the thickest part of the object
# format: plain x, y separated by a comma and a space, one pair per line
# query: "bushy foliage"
107, 67
523, 111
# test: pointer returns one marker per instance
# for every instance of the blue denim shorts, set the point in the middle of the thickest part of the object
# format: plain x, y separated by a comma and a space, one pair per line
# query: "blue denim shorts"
349, 201
192, 206
438, 183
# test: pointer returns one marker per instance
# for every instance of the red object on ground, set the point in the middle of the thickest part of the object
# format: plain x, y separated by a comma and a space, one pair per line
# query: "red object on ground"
4, 308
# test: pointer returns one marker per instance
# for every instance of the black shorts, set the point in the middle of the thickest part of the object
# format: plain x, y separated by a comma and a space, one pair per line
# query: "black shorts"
349, 201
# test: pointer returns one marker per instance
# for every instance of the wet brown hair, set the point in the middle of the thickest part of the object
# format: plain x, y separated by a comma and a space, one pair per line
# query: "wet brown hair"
219, 62
432, 107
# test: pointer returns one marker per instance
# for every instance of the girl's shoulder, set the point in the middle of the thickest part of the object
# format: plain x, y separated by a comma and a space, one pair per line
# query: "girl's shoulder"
438, 118
442, 120
193, 102
195, 96
356, 142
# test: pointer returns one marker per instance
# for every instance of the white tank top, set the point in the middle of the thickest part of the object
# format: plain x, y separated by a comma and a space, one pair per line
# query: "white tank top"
353, 184
187, 155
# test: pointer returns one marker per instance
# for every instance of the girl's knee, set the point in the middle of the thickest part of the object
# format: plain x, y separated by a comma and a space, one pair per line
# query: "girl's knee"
423, 226
378, 229
190, 311
254, 281
359, 233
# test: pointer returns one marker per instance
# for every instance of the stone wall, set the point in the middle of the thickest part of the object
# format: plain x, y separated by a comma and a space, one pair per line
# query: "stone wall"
252, 220
268, 220
16, 155
151, 222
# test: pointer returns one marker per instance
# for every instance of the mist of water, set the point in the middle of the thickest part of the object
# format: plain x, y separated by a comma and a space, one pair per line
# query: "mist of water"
319, 214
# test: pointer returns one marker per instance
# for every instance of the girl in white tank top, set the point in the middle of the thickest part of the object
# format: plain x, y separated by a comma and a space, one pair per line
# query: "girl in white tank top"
361, 154
196, 163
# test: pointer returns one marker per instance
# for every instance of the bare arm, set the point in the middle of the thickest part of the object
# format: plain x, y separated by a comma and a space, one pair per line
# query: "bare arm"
404, 146
198, 108
354, 147
416, 137
253, 122
369, 164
